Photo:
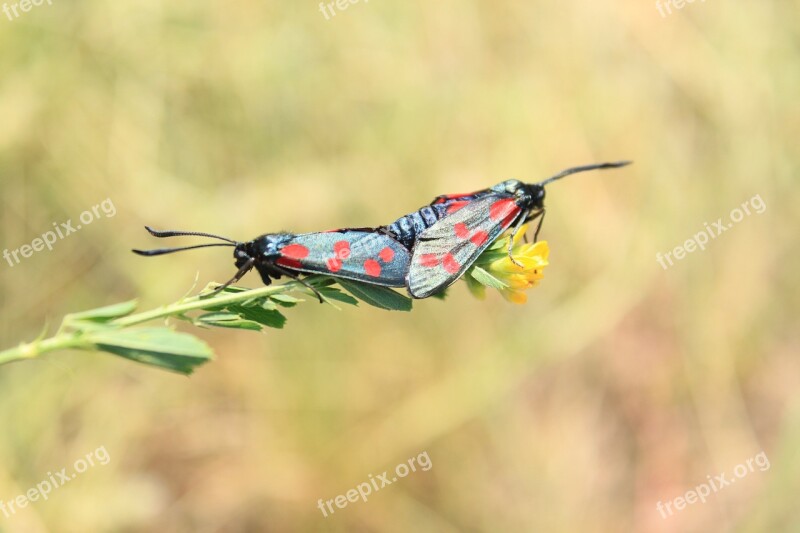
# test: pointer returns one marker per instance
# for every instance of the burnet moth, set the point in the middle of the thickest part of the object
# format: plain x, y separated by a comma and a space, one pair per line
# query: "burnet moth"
447, 236
364, 254
426, 251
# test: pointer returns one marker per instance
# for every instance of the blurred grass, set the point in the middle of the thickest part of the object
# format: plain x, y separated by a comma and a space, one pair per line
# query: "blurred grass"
619, 385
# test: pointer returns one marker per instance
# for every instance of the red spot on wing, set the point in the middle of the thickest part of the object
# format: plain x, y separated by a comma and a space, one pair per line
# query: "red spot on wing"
334, 264
450, 264
289, 262
480, 238
341, 249
461, 230
510, 218
372, 268
502, 209
455, 206
386, 255
428, 260
294, 251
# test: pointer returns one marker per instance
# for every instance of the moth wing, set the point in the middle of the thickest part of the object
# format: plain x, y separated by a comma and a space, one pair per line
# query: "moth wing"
367, 256
445, 251
381, 258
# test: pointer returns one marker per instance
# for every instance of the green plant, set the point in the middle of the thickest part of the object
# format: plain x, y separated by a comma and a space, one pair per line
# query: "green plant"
116, 329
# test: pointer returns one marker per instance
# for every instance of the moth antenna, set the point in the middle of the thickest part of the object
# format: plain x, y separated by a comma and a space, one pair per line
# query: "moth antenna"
162, 251
173, 233
584, 168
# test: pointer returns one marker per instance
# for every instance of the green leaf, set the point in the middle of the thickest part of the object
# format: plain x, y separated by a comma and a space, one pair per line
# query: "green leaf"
487, 279
269, 318
269, 305
219, 317
475, 287
160, 347
252, 302
228, 320
380, 297
333, 293
319, 281
284, 300
104, 314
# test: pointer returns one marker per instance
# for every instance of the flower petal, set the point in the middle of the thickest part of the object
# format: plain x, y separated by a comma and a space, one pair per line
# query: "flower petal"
520, 274
516, 297
520, 234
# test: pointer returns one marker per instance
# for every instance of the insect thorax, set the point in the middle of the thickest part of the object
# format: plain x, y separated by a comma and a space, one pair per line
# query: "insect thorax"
269, 244
509, 186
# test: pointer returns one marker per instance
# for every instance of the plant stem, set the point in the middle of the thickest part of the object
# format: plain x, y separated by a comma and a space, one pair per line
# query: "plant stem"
34, 349
74, 340
199, 302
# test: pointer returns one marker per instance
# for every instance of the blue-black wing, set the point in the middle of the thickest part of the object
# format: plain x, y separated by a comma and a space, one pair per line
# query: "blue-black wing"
368, 256
445, 250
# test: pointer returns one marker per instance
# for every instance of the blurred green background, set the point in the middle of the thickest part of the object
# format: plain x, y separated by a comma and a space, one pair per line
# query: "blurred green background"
620, 384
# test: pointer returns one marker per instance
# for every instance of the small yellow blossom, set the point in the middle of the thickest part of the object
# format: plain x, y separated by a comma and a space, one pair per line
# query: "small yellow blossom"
495, 268
532, 258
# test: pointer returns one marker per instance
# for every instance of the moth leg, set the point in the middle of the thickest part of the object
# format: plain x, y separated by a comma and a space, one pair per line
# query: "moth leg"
511, 240
242, 271
295, 277
539, 227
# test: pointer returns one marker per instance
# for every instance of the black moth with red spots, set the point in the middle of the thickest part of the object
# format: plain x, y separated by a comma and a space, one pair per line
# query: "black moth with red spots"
368, 256
447, 236
364, 254
425, 251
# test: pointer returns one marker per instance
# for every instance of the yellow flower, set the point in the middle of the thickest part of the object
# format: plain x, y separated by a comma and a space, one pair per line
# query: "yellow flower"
532, 259
494, 268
